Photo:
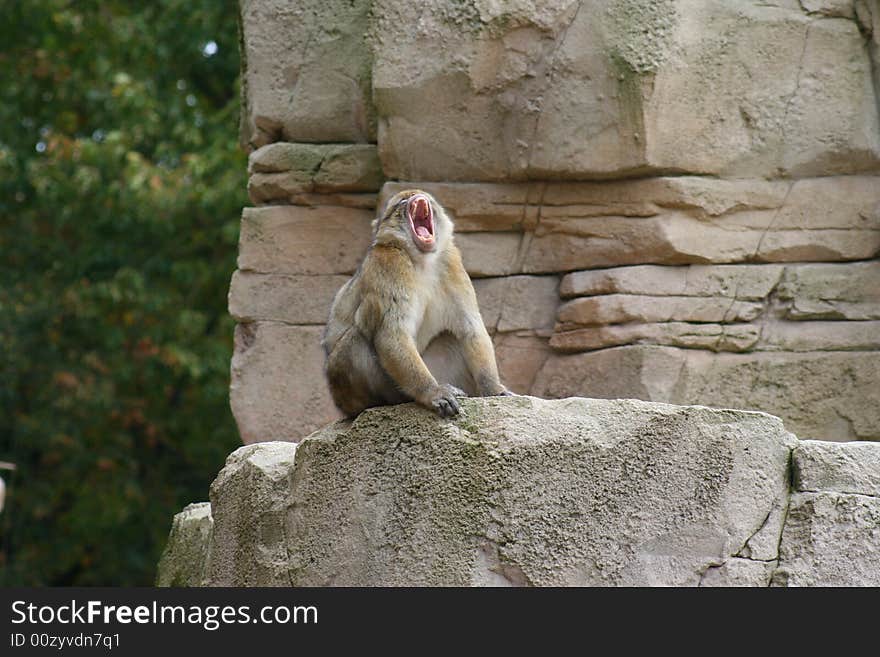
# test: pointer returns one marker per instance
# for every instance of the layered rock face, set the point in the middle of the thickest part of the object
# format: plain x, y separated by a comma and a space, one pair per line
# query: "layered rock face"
519, 491
671, 201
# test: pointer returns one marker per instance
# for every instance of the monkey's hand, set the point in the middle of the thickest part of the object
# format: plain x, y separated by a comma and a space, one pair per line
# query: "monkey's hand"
493, 388
445, 402
458, 392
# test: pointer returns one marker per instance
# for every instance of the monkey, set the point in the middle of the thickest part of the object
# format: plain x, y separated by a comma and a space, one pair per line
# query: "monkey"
406, 326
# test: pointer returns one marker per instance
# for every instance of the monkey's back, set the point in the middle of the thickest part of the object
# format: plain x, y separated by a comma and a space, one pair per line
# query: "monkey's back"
342, 313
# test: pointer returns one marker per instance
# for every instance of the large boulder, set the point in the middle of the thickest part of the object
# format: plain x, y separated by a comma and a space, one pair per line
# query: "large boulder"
251, 499
515, 491
185, 557
523, 491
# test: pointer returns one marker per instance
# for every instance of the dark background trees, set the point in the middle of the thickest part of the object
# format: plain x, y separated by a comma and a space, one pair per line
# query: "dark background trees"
121, 184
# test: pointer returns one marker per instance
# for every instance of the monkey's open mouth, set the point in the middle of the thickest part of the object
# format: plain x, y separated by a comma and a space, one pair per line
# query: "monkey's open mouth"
421, 221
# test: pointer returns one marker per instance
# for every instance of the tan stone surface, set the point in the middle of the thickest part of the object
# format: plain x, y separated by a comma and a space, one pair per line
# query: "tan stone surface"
831, 526
490, 298
363, 201
290, 188
676, 238
481, 90
303, 240
306, 71
637, 372
331, 167
265, 188
707, 498
852, 468
588, 89
831, 291
868, 19
623, 308
714, 337
490, 254
838, 8
516, 303
255, 513
520, 358
738, 281
816, 336
544, 90
767, 90
350, 168
829, 540
804, 291
738, 572
820, 395
764, 336
185, 556
704, 197
279, 157
515, 491
278, 390
282, 297
282, 171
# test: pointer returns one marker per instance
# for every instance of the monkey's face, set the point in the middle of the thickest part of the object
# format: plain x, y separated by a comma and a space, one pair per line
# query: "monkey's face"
414, 215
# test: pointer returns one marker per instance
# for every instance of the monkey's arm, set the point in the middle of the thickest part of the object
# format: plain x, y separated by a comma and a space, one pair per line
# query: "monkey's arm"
479, 354
400, 358
476, 345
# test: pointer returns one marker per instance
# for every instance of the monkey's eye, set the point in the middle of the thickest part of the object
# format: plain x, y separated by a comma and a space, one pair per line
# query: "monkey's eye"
400, 206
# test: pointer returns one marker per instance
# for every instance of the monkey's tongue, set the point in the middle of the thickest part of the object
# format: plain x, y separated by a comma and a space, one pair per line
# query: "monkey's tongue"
421, 231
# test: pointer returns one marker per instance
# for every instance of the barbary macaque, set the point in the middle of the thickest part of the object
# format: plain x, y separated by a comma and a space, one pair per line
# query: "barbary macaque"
407, 326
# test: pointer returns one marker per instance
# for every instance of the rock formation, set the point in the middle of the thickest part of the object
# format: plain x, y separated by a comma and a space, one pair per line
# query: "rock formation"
528, 492
671, 201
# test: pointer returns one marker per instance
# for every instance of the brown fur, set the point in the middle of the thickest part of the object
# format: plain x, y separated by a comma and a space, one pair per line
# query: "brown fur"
407, 326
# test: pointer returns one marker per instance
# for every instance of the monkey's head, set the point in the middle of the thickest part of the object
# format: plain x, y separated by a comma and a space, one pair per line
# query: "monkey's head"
415, 218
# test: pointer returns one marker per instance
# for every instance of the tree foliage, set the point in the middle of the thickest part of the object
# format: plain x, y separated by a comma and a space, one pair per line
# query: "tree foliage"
121, 184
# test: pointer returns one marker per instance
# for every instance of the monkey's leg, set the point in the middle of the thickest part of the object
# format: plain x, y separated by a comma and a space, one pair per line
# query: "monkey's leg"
356, 379
446, 362
479, 354
400, 358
